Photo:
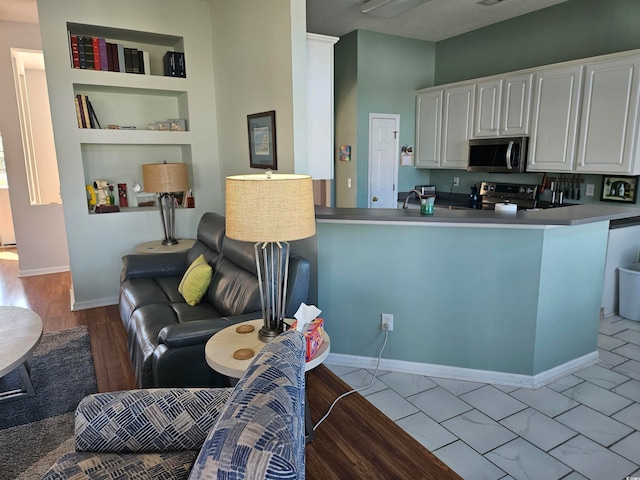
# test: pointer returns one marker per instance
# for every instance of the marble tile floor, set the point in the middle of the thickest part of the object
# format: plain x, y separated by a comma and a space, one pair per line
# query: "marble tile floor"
584, 426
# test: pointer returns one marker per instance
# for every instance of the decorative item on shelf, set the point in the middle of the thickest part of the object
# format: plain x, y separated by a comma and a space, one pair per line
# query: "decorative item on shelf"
178, 124
619, 189
270, 210
122, 195
165, 179
100, 197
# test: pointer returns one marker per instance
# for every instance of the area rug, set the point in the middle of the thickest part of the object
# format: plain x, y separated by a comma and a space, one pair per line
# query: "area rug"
35, 431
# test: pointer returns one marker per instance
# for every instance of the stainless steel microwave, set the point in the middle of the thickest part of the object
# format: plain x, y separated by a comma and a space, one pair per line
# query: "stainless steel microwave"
498, 155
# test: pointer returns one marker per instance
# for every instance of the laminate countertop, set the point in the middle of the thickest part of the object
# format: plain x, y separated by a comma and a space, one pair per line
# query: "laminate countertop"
564, 216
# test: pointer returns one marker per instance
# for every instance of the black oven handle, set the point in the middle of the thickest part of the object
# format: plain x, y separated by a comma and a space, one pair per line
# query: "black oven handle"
508, 155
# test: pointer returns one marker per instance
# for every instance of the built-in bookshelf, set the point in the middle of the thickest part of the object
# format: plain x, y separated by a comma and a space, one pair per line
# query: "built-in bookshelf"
134, 109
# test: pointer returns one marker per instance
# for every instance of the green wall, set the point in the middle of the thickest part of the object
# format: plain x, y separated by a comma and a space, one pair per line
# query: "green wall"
567, 31
529, 302
388, 71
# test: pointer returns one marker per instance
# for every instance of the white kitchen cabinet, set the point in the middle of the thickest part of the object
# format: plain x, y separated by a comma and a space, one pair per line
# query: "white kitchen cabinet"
428, 128
320, 129
503, 106
457, 126
444, 123
609, 123
554, 122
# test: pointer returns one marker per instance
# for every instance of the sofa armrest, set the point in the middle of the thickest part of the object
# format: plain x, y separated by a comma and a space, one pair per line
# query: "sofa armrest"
199, 331
153, 265
146, 421
261, 428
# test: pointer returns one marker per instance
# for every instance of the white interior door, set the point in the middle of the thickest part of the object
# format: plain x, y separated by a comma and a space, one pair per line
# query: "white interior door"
384, 130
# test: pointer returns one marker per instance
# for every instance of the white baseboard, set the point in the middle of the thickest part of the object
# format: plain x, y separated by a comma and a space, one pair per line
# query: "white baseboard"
43, 271
468, 374
101, 302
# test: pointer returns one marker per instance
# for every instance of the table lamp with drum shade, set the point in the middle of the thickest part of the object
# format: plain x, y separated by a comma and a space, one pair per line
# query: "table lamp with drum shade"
165, 179
270, 210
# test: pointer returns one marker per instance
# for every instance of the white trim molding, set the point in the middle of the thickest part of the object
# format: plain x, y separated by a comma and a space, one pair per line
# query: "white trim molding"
468, 374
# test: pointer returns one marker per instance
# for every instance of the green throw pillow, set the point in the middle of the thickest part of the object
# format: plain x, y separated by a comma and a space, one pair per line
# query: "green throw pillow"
196, 280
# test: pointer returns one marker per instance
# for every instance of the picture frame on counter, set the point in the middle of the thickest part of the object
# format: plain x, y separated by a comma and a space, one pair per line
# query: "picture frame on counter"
619, 189
262, 140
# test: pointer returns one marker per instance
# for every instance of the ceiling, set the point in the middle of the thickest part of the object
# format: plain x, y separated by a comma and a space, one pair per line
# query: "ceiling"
434, 20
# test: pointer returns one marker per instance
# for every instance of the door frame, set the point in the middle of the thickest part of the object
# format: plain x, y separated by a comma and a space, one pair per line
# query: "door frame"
396, 155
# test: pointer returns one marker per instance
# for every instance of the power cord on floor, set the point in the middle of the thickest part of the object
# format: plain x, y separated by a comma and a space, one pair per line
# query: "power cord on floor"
373, 379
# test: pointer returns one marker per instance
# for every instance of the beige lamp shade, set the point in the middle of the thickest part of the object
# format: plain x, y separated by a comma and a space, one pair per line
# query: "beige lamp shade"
165, 177
269, 207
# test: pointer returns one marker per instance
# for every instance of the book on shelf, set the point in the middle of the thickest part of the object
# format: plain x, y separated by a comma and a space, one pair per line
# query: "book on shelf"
95, 43
75, 55
85, 113
174, 64
96, 53
121, 58
102, 48
88, 53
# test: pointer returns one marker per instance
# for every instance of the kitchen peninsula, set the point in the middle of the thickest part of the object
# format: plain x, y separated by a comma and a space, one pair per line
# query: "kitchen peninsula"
511, 299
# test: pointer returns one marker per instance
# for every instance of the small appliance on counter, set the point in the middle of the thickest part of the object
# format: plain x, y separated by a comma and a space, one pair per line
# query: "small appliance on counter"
426, 190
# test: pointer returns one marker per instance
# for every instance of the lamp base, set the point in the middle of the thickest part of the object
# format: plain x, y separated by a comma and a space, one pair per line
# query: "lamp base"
170, 241
266, 335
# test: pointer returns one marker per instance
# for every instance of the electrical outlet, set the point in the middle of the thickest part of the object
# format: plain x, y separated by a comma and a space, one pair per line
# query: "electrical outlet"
386, 322
590, 189
456, 181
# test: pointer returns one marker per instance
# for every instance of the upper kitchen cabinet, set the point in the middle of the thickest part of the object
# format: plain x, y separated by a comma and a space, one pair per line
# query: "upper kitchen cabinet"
320, 105
428, 128
444, 123
554, 123
457, 125
609, 124
503, 106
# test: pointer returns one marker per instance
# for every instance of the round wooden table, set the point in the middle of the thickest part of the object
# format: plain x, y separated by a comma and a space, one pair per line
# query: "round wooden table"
20, 334
156, 246
220, 348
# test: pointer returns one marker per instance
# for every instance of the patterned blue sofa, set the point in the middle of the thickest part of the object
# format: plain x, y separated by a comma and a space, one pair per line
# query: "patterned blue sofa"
252, 431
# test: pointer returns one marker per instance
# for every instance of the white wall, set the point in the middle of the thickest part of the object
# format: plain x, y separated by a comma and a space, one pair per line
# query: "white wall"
40, 234
259, 53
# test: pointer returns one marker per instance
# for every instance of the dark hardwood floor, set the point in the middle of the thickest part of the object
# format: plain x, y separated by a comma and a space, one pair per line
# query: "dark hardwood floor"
355, 442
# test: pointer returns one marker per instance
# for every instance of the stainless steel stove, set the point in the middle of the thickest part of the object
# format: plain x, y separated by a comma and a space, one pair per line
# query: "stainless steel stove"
523, 195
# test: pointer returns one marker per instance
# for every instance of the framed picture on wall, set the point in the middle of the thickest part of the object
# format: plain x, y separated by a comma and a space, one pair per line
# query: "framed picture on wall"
262, 140
619, 189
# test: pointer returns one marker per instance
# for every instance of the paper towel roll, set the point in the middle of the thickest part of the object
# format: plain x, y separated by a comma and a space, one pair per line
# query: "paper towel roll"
506, 207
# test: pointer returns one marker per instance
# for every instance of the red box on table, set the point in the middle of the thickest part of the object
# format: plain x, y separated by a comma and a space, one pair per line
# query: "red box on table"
313, 337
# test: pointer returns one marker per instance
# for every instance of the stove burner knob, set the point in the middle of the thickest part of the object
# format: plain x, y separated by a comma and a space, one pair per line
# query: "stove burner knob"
521, 190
